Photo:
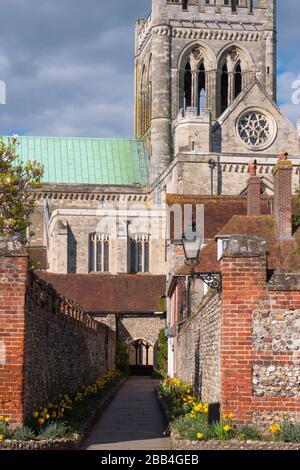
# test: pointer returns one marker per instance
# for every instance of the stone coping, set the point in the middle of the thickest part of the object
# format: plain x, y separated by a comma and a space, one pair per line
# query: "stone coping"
72, 442
12, 247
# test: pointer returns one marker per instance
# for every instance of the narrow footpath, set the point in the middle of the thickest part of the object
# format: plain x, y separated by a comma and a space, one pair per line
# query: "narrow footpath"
133, 421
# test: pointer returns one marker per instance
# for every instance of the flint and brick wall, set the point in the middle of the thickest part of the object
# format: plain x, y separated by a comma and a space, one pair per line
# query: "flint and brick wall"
198, 349
260, 348
48, 345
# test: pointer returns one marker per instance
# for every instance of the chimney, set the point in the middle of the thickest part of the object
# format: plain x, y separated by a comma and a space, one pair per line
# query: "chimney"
283, 197
253, 190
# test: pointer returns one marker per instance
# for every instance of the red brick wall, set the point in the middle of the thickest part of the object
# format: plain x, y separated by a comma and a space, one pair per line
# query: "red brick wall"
48, 345
13, 274
249, 344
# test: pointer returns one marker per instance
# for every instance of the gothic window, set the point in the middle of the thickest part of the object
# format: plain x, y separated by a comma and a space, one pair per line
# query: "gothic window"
256, 129
139, 254
224, 88
187, 86
237, 80
98, 253
201, 87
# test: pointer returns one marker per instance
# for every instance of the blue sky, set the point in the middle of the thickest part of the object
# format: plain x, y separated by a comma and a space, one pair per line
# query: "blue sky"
68, 65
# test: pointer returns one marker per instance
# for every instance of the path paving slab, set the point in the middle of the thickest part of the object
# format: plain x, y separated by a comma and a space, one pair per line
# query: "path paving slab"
133, 421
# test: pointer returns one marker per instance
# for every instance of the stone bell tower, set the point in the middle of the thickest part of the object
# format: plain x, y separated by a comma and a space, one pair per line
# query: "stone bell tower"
193, 58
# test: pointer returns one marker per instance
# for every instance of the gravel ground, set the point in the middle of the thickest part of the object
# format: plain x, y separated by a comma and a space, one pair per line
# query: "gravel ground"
232, 445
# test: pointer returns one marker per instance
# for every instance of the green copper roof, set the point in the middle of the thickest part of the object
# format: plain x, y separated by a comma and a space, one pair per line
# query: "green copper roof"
72, 160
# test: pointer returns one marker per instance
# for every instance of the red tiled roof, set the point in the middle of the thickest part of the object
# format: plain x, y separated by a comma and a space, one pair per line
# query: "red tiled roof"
280, 253
122, 293
218, 210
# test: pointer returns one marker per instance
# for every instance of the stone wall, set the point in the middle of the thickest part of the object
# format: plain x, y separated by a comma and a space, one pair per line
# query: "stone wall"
64, 348
48, 345
198, 349
260, 348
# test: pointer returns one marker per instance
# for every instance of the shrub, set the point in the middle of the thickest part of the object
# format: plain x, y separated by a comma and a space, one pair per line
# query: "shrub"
16, 177
162, 353
23, 434
122, 356
53, 431
289, 432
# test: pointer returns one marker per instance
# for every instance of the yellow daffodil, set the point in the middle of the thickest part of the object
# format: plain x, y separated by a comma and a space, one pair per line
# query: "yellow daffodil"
1, 418
35, 414
200, 435
231, 415
227, 428
7, 420
225, 416
41, 420
275, 428
1, 437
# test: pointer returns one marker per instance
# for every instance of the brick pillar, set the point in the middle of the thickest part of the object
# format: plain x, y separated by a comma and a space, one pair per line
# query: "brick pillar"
253, 191
244, 281
13, 275
283, 197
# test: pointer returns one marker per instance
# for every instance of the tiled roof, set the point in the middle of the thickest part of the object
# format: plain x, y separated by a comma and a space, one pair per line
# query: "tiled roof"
280, 254
122, 293
74, 160
218, 210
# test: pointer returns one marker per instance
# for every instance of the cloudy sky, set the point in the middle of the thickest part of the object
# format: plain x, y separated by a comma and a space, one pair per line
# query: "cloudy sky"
68, 65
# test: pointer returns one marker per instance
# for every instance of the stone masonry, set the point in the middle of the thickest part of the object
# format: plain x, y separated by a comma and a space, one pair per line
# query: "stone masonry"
49, 345
198, 355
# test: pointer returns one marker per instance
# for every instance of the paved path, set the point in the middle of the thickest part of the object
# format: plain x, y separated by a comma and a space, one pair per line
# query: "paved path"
133, 421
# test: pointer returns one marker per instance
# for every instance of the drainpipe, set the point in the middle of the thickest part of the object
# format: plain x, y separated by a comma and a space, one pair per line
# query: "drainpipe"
212, 164
187, 296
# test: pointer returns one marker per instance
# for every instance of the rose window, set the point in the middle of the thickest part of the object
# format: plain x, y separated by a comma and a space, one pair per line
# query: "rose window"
255, 129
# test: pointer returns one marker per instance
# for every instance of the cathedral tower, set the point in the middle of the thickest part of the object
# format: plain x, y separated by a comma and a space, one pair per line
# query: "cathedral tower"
197, 56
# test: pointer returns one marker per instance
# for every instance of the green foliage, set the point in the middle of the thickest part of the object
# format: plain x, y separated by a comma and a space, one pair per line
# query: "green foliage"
23, 434
4, 430
188, 428
222, 431
16, 179
162, 353
158, 374
289, 432
53, 431
249, 433
122, 356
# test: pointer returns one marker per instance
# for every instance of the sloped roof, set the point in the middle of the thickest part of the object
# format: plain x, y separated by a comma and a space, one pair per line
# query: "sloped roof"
74, 160
104, 293
218, 210
280, 253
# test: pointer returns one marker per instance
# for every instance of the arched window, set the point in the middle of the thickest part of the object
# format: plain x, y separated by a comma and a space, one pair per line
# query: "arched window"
187, 86
237, 80
224, 88
201, 87
139, 254
185, 4
98, 253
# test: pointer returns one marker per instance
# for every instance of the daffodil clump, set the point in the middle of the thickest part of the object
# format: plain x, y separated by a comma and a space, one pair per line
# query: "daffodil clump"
64, 405
181, 398
56, 419
4, 427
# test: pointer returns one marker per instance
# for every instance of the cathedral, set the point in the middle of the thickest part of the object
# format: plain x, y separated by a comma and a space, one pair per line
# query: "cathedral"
205, 105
